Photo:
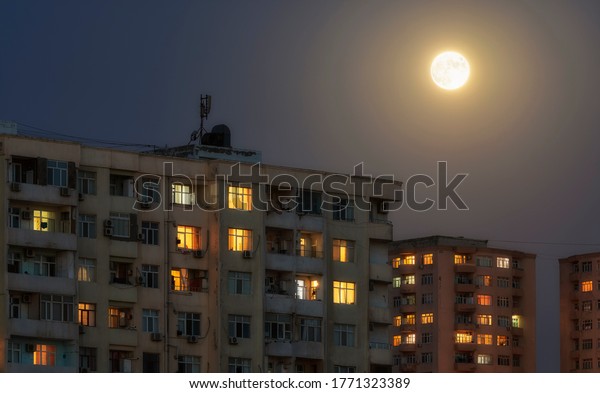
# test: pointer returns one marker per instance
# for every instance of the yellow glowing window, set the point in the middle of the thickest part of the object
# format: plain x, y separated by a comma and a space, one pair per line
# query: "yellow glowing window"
240, 198
397, 320
397, 282
188, 238
344, 292
460, 259
87, 314
43, 221
502, 341
484, 339
114, 317
516, 321
484, 300
314, 286
410, 338
182, 194
484, 281
503, 263
240, 239
343, 250
463, 338
180, 280
484, 319
396, 262
410, 319
408, 260
428, 259
587, 286
397, 340
44, 355
427, 318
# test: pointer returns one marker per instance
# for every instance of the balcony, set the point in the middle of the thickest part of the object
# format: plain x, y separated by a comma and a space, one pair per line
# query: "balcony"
286, 304
310, 308
407, 288
313, 265
465, 367
458, 287
575, 334
380, 315
516, 331
407, 347
465, 268
379, 353
380, 229
405, 269
407, 308
63, 331
31, 283
407, 328
128, 337
517, 292
279, 348
517, 272
280, 261
465, 347
123, 293
465, 307
39, 239
30, 368
380, 272
464, 326
308, 349
43, 194
124, 248
408, 368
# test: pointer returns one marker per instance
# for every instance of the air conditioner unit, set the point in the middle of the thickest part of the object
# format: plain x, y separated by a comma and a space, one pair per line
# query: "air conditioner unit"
108, 231
233, 340
16, 187
140, 236
26, 215
108, 224
29, 348
29, 252
26, 298
65, 191
247, 254
155, 336
198, 253
194, 339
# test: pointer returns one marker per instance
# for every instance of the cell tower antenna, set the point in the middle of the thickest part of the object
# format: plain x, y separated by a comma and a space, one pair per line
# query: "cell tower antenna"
205, 104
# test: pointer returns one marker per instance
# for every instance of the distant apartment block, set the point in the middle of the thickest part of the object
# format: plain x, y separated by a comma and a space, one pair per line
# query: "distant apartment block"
580, 313
112, 265
461, 306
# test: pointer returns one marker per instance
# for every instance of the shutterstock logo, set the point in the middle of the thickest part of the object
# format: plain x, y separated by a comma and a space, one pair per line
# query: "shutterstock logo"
311, 193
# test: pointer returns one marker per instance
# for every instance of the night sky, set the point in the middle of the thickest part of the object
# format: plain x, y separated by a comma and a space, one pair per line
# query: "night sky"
327, 85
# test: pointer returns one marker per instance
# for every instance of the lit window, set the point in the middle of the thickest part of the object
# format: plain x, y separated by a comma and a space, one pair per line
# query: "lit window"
343, 250
395, 261
426, 318
119, 317
408, 260
502, 341
87, 314
460, 259
182, 194
43, 221
409, 338
397, 282
344, 292
428, 259
397, 340
397, 320
484, 281
484, 300
57, 173
484, 359
240, 198
484, 319
188, 238
516, 321
409, 319
463, 338
408, 279
240, 239
587, 286
503, 263
86, 270
44, 355
189, 280
484, 339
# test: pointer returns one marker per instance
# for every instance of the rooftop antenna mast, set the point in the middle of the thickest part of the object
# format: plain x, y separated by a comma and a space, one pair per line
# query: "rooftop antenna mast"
205, 104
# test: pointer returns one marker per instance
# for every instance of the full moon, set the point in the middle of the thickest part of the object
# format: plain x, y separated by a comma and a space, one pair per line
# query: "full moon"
450, 70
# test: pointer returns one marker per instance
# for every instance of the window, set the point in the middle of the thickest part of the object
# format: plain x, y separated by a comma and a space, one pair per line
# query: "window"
587, 364
503, 282
86, 226
87, 314
484, 359
516, 283
586, 286
310, 329
502, 341
586, 324
484, 339
463, 299
408, 260
343, 250
240, 239
409, 319
484, 300
14, 352
504, 321
587, 344
586, 266
119, 317
188, 364
343, 210
57, 308
460, 259
503, 360
343, 335
150, 362
309, 201
150, 276
426, 318
502, 301
396, 262
484, 319
344, 369
427, 279
240, 198
121, 185
426, 357
44, 355
239, 365
426, 338
278, 326
463, 337
120, 222
86, 182
86, 270
43, 265
188, 238
407, 279
410, 338
503, 263
14, 217
182, 194
150, 320
484, 261
239, 283
586, 305
427, 298
189, 280
344, 292
87, 359
188, 324
239, 326
150, 233
44, 221
428, 259
397, 321
57, 173
397, 340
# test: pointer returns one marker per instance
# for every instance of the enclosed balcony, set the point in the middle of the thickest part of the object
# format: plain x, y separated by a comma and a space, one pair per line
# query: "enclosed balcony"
62, 331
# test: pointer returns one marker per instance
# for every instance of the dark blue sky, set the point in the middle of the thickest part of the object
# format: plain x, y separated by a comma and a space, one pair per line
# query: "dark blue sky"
327, 85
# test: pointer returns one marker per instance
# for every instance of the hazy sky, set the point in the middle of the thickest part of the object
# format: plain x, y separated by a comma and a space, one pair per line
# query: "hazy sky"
329, 84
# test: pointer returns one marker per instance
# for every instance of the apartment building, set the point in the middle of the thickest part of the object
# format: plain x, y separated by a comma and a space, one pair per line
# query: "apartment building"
580, 313
165, 261
461, 306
